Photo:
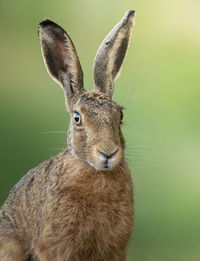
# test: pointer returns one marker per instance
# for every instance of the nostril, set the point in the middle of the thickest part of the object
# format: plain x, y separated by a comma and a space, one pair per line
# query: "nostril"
108, 156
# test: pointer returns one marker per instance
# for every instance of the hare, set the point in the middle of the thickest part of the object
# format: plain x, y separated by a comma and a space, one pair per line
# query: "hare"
78, 205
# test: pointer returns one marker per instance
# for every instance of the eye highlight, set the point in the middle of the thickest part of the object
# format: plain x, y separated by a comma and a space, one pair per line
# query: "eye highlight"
77, 119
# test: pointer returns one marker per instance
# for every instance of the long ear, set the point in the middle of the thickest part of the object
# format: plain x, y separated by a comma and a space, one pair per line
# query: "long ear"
111, 53
61, 60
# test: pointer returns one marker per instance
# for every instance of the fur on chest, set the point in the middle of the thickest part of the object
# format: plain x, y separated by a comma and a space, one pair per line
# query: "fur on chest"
90, 227
97, 216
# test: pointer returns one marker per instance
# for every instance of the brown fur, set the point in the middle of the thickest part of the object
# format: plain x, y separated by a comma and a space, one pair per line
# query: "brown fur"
70, 209
78, 205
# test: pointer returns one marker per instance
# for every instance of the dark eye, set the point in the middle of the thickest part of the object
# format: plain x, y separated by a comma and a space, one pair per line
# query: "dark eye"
121, 115
77, 119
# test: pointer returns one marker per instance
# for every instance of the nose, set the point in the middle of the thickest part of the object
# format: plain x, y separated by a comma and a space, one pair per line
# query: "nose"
108, 155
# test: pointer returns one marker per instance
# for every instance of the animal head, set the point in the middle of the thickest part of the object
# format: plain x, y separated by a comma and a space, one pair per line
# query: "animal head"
94, 133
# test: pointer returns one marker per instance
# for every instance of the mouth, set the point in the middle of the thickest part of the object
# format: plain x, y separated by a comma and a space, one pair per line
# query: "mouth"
107, 165
103, 165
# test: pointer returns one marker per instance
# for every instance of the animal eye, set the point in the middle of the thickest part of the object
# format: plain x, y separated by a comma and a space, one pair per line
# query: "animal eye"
121, 115
77, 119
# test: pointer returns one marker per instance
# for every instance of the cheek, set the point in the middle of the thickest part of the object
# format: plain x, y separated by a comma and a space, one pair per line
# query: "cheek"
80, 141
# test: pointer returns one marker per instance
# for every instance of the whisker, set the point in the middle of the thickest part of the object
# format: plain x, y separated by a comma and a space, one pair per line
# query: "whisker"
57, 148
52, 132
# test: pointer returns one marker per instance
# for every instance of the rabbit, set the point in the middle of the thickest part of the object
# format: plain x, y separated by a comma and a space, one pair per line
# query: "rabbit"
78, 205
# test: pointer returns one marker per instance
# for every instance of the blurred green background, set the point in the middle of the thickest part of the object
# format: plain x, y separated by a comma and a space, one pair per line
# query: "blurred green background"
159, 86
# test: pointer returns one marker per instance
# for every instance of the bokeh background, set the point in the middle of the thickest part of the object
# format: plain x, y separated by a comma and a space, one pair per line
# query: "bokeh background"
159, 87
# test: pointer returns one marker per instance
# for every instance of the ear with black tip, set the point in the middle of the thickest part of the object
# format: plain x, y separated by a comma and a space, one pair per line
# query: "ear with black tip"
61, 60
111, 53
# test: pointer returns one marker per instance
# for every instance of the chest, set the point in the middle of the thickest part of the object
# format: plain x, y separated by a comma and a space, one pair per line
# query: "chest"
100, 219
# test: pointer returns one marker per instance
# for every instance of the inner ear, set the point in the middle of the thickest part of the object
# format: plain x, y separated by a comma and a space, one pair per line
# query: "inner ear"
61, 59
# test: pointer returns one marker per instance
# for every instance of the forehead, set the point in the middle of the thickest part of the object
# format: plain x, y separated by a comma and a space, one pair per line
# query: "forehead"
97, 104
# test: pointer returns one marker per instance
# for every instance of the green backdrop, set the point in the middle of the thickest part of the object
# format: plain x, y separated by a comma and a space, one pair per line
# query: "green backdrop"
159, 87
